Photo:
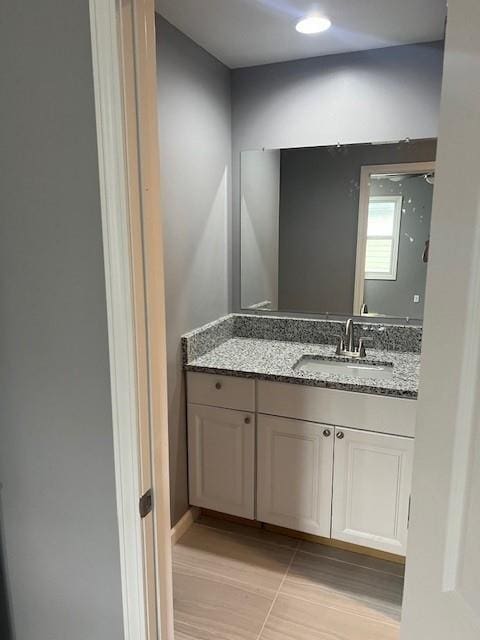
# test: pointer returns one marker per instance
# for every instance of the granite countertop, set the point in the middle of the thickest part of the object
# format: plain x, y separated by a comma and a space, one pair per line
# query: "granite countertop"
275, 360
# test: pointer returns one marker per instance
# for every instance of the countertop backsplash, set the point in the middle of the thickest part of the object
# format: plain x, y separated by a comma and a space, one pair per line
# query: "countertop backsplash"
388, 337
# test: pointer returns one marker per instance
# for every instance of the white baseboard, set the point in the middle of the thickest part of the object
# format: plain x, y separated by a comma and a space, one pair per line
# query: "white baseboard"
184, 524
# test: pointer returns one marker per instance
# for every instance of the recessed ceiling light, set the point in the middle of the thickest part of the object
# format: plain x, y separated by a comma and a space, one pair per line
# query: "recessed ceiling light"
313, 24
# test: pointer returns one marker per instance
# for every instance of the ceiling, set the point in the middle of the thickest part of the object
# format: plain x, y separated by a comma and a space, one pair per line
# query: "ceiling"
244, 33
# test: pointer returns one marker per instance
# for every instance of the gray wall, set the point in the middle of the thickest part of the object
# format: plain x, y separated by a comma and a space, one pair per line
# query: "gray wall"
319, 201
260, 200
395, 297
58, 513
380, 95
194, 112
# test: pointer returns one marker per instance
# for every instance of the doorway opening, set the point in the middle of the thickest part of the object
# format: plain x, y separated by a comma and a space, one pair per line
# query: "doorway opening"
292, 186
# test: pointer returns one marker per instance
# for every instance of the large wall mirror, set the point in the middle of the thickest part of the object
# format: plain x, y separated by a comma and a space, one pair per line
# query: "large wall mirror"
341, 230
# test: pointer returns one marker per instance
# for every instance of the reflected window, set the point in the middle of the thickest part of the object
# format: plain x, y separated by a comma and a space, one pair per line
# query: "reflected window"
383, 235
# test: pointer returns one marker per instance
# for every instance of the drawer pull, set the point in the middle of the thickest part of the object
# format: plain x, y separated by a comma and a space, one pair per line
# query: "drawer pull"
340, 435
218, 385
327, 433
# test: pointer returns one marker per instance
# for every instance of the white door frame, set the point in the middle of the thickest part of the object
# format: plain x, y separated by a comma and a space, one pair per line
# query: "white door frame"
365, 176
124, 60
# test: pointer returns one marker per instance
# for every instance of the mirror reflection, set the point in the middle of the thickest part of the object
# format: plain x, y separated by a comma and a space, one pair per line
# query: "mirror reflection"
341, 230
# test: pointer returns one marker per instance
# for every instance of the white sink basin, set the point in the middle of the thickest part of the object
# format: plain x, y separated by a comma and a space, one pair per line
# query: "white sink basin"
370, 370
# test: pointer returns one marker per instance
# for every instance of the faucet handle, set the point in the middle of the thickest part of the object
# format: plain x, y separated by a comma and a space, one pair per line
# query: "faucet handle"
340, 344
361, 349
361, 346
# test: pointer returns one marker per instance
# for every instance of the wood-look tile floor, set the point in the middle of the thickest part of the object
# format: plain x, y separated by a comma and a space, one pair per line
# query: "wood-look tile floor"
233, 582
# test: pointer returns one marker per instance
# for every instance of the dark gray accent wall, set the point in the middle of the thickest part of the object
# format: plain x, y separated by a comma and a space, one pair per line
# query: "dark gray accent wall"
57, 490
370, 96
395, 297
194, 111
319, 201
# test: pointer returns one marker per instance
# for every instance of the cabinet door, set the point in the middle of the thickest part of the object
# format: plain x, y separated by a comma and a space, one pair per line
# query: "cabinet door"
371, 489
294, 474
221, 459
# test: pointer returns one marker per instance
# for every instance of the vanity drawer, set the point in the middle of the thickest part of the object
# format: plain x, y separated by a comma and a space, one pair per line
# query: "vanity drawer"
221, 391
381, 414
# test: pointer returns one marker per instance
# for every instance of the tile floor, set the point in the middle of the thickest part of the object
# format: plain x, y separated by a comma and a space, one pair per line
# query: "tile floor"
233, 582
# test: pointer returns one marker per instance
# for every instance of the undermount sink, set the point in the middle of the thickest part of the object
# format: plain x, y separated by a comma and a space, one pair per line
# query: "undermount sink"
315, 364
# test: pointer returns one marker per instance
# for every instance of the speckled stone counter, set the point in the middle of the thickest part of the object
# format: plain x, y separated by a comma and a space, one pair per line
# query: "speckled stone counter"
217, 348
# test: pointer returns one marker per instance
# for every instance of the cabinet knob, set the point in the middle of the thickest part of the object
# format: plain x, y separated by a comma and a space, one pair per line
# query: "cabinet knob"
218, 385
247, 420
340, 435
327, 433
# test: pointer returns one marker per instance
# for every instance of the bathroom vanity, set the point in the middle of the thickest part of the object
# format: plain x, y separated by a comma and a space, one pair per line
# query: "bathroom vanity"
309, 424
324, 452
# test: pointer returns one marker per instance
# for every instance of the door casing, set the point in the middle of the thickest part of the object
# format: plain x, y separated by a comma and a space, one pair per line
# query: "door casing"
124, 71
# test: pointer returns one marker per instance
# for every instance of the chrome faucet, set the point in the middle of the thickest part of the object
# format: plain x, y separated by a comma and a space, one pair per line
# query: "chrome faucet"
350, 336
346, 343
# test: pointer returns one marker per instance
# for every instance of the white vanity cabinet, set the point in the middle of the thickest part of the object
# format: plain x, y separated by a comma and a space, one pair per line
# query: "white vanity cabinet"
371, 489
336, 464
294, 476
221, 454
